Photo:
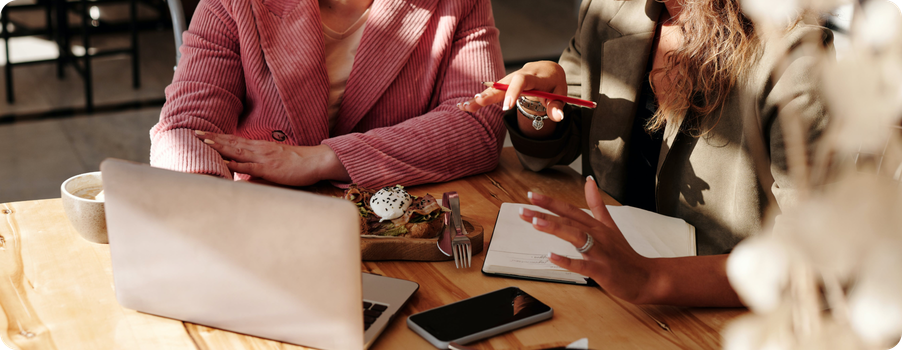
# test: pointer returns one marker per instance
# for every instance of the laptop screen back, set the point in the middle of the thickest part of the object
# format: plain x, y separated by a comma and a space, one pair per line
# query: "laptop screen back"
260, 260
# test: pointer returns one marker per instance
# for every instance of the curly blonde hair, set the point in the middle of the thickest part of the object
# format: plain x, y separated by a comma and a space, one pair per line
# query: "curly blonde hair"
719, 45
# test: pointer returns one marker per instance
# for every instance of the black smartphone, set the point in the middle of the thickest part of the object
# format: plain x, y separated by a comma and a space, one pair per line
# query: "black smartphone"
479, 317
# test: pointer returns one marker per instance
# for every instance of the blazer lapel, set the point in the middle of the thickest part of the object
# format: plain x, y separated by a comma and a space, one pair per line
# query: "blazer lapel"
671, 132
294, 53
392, 31
624, 62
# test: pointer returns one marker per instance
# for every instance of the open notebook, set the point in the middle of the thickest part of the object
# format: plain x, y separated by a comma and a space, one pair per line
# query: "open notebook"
519, 250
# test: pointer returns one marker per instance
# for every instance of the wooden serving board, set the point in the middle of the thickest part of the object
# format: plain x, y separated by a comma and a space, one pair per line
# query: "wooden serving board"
416, 249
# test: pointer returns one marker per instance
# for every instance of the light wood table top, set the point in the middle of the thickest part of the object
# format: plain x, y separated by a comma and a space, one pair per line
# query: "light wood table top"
56, 289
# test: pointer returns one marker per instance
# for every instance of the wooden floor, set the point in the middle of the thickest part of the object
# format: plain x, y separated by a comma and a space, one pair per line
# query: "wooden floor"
37, 155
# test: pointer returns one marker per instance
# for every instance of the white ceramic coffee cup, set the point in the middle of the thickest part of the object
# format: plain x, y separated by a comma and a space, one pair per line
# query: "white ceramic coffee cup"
86, 213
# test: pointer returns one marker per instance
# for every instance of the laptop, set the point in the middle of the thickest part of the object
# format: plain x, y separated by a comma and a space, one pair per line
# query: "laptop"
260, 260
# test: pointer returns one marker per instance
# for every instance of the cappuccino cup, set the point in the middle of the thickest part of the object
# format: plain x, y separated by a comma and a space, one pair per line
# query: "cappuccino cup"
82, 197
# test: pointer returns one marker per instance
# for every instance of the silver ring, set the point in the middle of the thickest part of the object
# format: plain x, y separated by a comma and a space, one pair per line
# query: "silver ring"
588, 245
531, 104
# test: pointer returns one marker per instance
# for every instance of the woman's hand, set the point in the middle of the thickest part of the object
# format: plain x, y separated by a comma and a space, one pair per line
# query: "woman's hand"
610, 260
544, 76
276, 162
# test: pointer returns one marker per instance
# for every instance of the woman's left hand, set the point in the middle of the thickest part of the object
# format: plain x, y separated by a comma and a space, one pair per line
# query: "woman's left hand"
276, 162
610, 260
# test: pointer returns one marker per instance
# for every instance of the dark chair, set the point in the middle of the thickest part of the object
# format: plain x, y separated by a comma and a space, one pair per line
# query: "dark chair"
89, 26
61, 32
22, 30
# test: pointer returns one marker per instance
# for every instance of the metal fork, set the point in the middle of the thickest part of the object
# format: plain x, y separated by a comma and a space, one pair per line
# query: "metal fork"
460, 245
462, 250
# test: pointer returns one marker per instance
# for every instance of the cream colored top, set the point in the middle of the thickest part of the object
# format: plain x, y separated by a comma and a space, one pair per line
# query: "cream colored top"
340, 51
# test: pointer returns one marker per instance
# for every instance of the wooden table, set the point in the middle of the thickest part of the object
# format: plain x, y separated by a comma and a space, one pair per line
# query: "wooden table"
56, 289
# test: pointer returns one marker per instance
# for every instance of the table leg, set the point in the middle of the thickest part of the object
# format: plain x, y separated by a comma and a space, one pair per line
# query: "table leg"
8, 67
62, 37
136, 74
86, 59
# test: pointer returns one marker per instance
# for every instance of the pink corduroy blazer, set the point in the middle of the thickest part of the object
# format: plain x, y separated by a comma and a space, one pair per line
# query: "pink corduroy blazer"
256, 69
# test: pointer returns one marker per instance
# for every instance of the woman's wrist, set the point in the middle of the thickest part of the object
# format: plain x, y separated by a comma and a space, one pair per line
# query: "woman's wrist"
658, 284
537, 125
330, 167
690, 280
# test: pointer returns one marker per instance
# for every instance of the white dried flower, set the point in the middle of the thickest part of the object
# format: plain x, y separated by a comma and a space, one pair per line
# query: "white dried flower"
758, 269
875, 304
863, 93
879, 25
832, 335
821, 231
847, 230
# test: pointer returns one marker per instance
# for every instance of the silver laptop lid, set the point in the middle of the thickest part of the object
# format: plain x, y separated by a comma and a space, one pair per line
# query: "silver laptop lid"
259, 260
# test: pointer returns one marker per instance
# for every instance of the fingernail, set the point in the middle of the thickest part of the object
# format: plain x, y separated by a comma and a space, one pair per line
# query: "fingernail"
539, 222
466, 104
198, 132
507, 103
225, 161
209, 142
478, 96
458, 105
554, 257
521, 210
590, 178
558, 113
548, 255
529, 194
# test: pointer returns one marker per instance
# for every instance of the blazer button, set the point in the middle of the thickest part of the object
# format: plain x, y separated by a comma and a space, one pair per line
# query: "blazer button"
278, 135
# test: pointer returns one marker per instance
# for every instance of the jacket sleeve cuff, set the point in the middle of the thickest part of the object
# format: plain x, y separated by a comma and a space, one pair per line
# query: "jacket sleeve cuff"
549, 148
181, 150
348, 150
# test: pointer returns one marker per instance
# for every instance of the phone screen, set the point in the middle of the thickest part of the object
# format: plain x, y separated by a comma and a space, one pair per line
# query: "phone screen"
480, 313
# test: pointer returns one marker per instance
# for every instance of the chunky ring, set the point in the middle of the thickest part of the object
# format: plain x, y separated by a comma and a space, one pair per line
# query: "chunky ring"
588, 245
531, 105
537, 120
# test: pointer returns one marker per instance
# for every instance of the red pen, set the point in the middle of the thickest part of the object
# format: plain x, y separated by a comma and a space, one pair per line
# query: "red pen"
542, 94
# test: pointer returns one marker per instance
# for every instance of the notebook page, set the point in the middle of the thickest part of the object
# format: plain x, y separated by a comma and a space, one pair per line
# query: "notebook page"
669, 237
517, 245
